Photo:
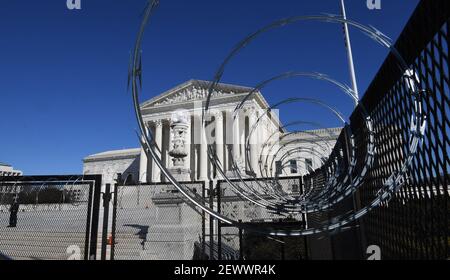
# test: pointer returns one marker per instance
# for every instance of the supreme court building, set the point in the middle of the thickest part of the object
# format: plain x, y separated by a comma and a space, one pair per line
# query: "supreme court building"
294, 154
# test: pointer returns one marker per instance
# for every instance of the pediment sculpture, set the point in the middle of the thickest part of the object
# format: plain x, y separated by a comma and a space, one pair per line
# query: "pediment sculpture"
190, 94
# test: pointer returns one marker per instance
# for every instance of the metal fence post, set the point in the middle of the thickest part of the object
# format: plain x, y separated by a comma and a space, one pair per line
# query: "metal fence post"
219, 229
106, 200
95, 218
211, 221
203, 224
241, 249
113, 233
305, 219
88, 221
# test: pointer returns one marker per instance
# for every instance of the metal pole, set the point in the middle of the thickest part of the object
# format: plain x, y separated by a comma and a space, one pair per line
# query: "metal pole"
211, 222
203, 223
349, 54
88, 222
114, 217
241, 243
305, 221
106, 200
95, 218
219, 229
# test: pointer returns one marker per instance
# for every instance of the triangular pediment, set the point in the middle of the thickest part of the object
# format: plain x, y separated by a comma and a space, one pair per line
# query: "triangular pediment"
193, 90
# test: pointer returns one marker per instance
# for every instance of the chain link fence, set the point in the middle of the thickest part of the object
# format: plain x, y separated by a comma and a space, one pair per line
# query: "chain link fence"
234, 243
154, 222
45, 219
415, 223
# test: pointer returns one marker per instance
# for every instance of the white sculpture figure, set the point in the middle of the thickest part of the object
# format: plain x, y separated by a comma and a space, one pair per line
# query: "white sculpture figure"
179, 126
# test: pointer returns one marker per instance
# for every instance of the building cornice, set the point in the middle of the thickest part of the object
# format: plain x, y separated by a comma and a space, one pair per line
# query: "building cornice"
113, 155
200, 85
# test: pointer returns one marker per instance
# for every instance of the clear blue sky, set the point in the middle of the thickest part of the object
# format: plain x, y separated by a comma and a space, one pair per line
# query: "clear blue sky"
63, 73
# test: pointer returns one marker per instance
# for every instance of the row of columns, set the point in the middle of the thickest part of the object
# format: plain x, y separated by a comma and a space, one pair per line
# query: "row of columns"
10, 173
200, 151
143, 162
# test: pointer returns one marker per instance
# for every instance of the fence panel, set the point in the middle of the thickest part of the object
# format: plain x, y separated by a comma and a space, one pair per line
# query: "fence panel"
47, 218
154, 222
234, 244
414, 224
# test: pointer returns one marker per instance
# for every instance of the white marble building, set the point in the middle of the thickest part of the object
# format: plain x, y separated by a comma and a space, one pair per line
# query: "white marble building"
8, 170
110, 163
175, 120
294, 153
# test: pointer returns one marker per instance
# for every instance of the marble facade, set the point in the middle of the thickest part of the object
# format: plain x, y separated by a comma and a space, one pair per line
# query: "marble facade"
228, 134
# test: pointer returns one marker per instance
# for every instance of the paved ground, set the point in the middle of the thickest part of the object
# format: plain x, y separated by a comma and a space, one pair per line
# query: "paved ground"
44, 234
50, 233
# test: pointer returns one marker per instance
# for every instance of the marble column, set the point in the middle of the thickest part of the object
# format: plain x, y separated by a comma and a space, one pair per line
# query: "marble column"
259, 145
270, 165
169, 146
219, 138
196, 162
156, 172
203, 156
143, 160
188, 143
236, 138
143, 167
166, 144
242, 139
253, 141
272, 150
265, 156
